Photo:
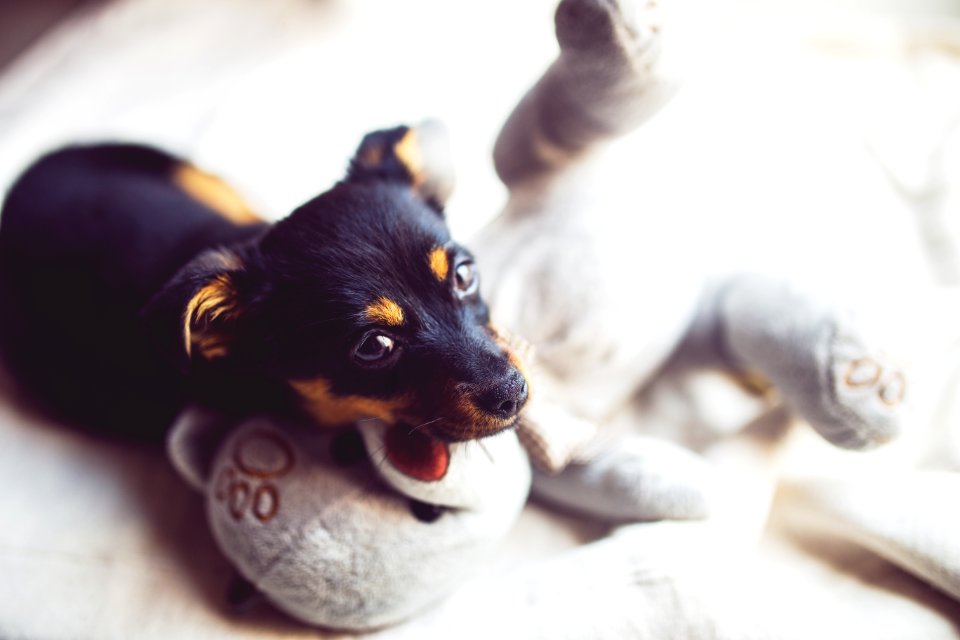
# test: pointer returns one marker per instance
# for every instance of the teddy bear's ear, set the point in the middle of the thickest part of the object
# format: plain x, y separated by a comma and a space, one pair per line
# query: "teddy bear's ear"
416, 156
192, 443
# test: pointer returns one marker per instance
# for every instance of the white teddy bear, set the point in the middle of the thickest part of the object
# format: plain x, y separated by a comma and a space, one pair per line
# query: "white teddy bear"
344, 534
609, 294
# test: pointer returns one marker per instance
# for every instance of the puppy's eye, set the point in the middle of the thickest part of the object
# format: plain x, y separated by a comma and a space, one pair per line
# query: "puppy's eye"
375, 349
466, 278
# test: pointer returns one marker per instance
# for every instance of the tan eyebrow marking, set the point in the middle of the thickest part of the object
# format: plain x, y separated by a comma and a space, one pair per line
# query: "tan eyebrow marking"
439, 264
385, 311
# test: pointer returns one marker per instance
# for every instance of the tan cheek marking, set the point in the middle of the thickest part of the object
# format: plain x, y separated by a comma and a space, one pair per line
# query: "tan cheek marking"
211, 191
408, 153
213, 301
385, 311
439, 263
330, 409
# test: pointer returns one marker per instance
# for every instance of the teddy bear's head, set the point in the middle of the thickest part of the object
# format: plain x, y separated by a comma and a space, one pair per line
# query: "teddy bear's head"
332, 528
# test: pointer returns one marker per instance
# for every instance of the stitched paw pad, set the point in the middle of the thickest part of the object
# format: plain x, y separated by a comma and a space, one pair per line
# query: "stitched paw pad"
862, 393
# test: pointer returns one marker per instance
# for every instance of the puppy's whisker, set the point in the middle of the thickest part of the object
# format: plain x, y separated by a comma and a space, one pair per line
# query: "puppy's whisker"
380, 453
420, 426
484, 449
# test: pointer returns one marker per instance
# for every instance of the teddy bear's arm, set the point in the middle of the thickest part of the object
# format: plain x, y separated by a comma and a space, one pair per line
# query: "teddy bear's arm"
607, 80
582, 468
637, 479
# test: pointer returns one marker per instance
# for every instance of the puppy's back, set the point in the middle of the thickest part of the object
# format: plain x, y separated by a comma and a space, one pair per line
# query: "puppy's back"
87, 235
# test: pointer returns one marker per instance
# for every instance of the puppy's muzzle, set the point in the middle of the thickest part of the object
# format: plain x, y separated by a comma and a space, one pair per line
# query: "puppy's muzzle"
504, 399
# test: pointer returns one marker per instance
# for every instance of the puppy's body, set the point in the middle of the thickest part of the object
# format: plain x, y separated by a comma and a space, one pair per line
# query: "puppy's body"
90, 234
135, 282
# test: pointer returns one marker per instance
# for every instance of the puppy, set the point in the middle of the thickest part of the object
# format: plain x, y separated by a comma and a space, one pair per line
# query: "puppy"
135, 283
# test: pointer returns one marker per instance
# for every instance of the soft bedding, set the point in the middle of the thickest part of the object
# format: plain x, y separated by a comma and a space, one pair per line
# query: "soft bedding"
795, 135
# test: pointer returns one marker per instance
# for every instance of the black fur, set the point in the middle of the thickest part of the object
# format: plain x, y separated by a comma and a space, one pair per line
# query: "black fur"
101, 254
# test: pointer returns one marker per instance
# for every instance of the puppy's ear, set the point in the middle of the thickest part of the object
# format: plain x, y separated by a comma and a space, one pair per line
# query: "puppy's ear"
195, 315
418, 157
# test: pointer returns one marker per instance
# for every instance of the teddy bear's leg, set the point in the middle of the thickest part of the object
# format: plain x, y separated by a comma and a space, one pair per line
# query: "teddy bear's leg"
605, 82
811, 351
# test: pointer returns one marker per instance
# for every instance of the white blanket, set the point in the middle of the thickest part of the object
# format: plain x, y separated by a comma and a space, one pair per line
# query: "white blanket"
101, 540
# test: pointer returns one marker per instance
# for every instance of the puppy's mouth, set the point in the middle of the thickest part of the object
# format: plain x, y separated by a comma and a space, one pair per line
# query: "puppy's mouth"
448, 431
474, 411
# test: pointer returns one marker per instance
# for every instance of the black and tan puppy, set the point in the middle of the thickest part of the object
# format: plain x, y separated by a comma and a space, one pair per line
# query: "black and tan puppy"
134, 283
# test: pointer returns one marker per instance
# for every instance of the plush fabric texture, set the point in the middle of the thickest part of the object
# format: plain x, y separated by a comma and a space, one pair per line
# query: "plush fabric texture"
891, 514
816, 355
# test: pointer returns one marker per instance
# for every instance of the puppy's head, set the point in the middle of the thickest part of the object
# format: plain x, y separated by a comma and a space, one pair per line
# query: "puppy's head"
360, 304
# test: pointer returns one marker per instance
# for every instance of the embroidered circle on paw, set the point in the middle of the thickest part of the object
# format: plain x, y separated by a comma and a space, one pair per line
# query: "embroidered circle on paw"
246, 484
890, 385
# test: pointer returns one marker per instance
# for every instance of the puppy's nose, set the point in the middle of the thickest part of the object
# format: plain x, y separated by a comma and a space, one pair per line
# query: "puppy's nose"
504, 399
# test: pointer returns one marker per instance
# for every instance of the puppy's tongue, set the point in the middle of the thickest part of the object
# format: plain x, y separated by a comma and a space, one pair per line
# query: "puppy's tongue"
416, 454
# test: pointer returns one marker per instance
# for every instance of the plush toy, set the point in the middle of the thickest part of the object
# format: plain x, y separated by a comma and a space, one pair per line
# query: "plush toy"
610, 294
306, 517
362, 528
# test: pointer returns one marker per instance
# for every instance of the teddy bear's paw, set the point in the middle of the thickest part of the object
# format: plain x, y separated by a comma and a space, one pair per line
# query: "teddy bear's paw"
635, 479
626, 28
863, 393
